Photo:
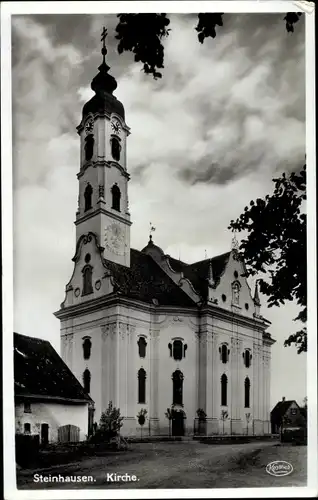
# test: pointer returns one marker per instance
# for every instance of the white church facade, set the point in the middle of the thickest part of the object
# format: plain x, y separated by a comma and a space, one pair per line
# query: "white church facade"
147, 331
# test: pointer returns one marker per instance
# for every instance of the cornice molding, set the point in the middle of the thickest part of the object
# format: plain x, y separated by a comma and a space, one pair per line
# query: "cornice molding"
100, 210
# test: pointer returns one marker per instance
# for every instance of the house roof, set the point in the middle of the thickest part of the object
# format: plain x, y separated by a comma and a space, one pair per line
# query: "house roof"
40, 371
145, 280
280, 409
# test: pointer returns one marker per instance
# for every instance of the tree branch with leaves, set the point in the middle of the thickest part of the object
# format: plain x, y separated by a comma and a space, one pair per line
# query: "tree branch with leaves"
143, 35
275, 246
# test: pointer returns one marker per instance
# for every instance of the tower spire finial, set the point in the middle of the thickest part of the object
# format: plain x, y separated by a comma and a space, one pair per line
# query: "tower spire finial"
256, 295
103, 38
235, 244
210, 275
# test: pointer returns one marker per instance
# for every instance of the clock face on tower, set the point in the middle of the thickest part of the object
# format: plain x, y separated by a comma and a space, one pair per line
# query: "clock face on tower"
115, 125
89, 126
114, 238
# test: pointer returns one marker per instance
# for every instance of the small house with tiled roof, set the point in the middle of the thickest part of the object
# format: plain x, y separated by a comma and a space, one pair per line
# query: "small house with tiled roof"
147, 331
287, 414
49, 400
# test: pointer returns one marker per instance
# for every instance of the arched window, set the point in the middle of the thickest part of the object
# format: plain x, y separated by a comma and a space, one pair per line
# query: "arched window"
87, 381
236, 293
224, 352
88, 197
247, 386
87, 280
142, 347
89, 147
115, 148
141, 386
247, 358
87, 345
177, 350
177, 392
116, 195
224, 390
27, 428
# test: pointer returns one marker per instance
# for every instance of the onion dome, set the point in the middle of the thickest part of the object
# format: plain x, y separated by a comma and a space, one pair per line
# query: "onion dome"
103, 84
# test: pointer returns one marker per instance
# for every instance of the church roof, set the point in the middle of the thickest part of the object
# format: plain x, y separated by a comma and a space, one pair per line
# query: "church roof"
198, 272
40, 371
144, 280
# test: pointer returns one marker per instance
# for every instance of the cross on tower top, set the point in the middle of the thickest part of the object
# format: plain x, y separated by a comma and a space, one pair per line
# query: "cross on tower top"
103, 37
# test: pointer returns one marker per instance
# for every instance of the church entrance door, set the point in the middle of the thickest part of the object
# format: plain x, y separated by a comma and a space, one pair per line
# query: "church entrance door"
178, 423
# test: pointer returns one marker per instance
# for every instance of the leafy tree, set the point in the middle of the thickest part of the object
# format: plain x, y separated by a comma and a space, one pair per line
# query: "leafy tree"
109, 425
202, 420
141, 417
275, 246
142, 34
169, 416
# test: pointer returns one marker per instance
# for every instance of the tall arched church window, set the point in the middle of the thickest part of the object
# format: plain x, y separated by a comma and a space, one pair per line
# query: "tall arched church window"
236, 293
89, 147
87, 381
88, 197
247, 386
87, 280
177, 391
116, 195
224, 353
224, 390
87, 345
141, 386
115, 148
142, 344
247, 356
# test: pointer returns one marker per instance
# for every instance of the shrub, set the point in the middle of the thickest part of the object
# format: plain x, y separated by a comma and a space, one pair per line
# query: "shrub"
109, 425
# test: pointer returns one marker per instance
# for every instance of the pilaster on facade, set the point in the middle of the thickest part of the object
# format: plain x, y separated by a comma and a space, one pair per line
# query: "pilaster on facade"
154, 381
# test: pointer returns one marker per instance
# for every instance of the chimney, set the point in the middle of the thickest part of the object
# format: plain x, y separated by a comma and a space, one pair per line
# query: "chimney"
283, 398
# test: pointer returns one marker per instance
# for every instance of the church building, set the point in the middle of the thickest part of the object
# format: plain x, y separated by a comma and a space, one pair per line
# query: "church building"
147, 331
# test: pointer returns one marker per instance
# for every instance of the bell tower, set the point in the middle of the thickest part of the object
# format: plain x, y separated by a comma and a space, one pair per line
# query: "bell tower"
103, 177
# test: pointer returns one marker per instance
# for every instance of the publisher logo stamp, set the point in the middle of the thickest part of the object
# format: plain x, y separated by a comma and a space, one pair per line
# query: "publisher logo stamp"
279, 468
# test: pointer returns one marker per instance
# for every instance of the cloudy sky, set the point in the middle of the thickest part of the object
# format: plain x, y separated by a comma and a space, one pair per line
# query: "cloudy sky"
226, 118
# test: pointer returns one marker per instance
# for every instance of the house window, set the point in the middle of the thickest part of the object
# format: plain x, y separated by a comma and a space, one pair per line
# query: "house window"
88, 197
87, 280
247, 386
27, 407
87, 345
224, 353
224, 390
141, 386
236, 293
89, 147
87, 381
247, 356
177, 391
142, 347
115, 148
27, 428
116, 195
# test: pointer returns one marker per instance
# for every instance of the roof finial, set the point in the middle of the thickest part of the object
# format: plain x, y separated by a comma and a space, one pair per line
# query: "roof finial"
235, 244
103, 37
152, 229
256, 295
210, 274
